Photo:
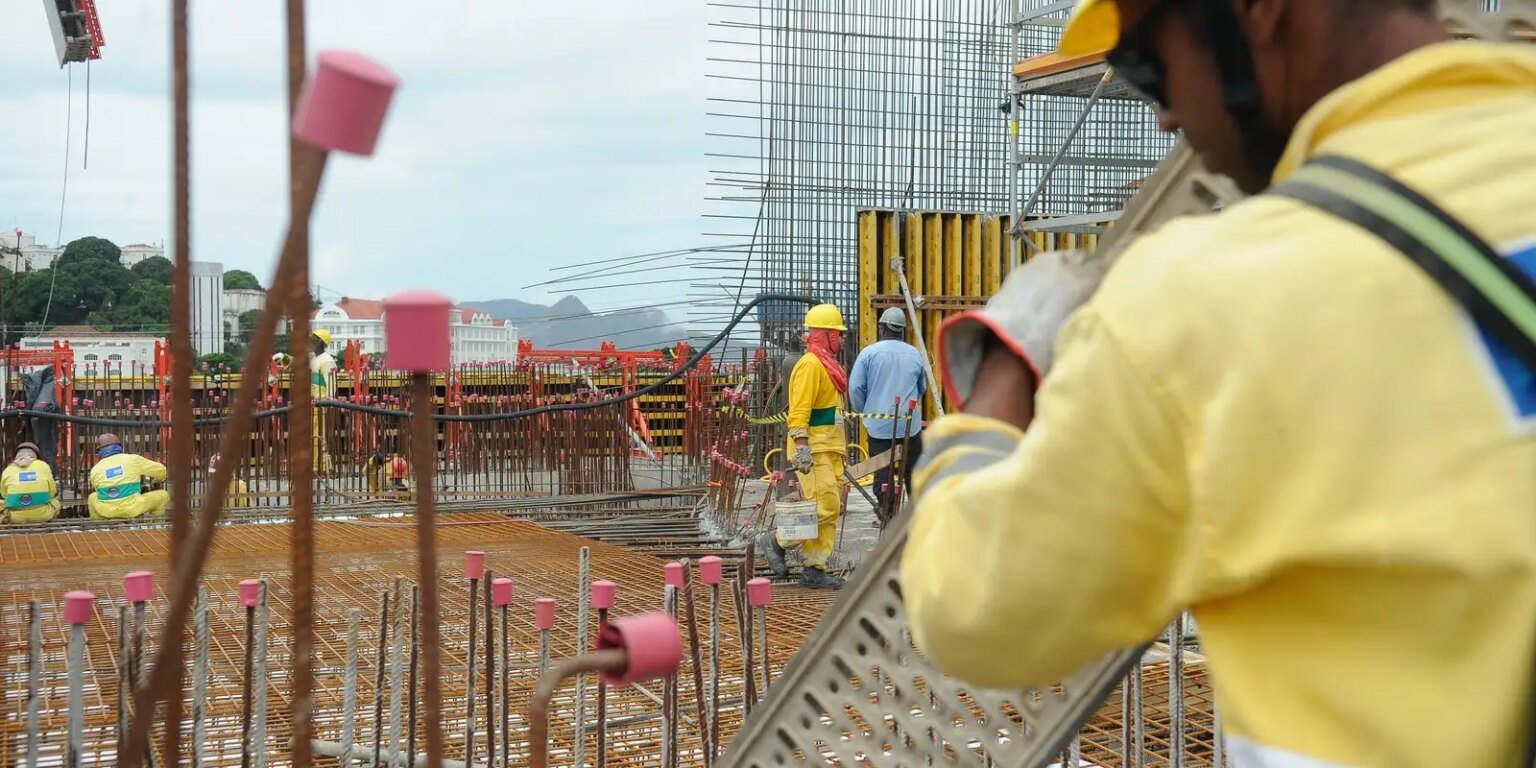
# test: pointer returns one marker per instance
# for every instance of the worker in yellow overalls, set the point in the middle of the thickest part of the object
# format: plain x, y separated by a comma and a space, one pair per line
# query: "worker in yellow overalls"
28, 487
817, 443
386, 474
322, 386
117, 482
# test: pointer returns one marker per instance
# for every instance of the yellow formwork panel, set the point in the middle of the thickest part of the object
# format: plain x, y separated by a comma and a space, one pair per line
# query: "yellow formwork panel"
954, 260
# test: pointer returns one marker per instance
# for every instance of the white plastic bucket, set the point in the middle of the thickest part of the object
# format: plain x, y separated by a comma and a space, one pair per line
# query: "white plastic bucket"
796, 521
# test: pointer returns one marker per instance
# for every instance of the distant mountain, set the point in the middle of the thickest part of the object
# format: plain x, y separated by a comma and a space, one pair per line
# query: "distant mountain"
568, 324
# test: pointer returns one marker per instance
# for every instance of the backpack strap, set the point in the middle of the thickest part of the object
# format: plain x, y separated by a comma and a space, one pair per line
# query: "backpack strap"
1493, 291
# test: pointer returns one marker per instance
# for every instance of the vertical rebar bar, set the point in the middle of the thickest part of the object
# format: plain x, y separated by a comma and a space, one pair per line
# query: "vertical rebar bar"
506, 689
124, 674
583, 640
410, 728
378, 678
182, 353
469, 672
34, 679
75, 749
425, 457
259, 727
349, 688
694, 661
247, 680
714, 673
668, 695
396, 669
490, 676
200, 661
1176, 692
602, 701
761, 619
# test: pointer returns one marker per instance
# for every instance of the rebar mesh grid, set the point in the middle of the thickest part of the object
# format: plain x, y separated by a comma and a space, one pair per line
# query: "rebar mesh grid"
358, 562
821, 109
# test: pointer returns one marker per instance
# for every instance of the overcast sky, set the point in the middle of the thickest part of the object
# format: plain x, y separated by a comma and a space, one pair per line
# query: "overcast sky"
525, 134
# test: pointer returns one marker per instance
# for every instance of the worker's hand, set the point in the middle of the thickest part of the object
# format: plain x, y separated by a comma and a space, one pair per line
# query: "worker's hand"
1004, 388
1021, 323
803, 458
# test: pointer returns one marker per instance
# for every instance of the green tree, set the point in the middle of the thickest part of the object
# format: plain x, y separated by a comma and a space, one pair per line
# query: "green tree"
90, 249
248, 322
239, 279
144, 307
156, 268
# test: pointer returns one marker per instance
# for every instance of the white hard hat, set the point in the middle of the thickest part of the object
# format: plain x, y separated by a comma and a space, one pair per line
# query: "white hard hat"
894, 317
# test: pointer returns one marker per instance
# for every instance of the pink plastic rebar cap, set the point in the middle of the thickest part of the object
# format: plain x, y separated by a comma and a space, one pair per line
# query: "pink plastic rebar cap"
711, 569
759, 592
602, 594
250, 592
78, 606
501, 591
416, 335
654, 645
140, 586
672, 573
474, 564
544, 613
343, 103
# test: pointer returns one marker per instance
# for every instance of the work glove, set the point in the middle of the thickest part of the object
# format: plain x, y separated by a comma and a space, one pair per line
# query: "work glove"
803, 459
1025, 316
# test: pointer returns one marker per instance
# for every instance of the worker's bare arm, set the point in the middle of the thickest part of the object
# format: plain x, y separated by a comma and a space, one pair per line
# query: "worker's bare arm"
1094, 489
1005, 388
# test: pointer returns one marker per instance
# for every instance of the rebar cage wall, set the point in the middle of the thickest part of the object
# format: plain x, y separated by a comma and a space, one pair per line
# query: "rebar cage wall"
823, 107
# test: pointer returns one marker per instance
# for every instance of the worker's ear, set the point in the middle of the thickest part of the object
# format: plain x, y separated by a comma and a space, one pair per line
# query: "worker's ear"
1261, 20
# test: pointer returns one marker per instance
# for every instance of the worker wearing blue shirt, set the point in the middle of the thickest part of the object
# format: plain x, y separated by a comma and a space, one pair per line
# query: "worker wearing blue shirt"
885, 372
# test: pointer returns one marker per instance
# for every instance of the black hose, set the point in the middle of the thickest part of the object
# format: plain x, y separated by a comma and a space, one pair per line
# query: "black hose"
692, 363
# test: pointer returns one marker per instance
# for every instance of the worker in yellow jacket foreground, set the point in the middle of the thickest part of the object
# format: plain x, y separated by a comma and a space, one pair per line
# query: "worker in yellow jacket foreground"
817, 443
1269, 415
117, 482
28, 488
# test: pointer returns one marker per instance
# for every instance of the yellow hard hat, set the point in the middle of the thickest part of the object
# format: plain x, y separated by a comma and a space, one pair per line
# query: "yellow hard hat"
825, 316
323, 335
1093, 28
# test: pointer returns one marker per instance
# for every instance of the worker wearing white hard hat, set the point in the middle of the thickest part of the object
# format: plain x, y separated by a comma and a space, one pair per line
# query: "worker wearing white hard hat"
1309, 418
322, 386
818, 443
887, 376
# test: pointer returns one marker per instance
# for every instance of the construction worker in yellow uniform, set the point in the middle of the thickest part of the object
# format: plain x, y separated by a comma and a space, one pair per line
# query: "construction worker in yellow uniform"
239, 495
117, 482
386, 474
322, 386
818, 444
28, 488
1270, 415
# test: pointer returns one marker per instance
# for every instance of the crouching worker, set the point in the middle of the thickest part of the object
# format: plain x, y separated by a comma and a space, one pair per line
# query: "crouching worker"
28, 487
117, 482
386, 474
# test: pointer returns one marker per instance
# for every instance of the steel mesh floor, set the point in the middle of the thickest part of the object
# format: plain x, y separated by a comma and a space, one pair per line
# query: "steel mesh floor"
357, 562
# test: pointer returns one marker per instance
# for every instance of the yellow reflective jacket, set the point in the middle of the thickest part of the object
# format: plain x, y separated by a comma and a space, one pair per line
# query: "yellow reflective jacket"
29, 486
1272, 417
322, 376
815, 407
115, 480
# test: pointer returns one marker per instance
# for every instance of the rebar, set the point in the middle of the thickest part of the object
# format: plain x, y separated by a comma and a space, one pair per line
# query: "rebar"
490, 676
76, 748
34, 678
349, 688
426, 548
259, 726
584, 589
396, 667
378, 679
201, 663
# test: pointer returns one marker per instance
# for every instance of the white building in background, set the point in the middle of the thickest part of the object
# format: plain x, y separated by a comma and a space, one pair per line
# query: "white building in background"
40, 256
100, 352
474, 336
238, 301
207, 307
32, 255
137, 252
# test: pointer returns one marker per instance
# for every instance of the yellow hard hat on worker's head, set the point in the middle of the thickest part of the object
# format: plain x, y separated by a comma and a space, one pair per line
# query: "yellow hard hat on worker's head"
825, 316
1093, 28
323, 335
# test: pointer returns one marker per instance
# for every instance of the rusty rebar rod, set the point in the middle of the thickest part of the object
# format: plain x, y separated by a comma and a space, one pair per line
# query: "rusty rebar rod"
378, 678
301, 424
424, 454
490, 675
612, 661
469, 670
602, 700
410, 715
182, 355
698, 671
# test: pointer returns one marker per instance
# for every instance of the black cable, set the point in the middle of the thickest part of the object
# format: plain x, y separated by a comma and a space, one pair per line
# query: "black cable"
692, 363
